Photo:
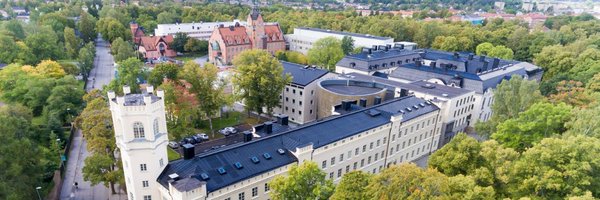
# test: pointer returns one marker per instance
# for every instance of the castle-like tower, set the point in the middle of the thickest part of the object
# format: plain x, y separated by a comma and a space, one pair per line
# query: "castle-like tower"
256, 29
141, 136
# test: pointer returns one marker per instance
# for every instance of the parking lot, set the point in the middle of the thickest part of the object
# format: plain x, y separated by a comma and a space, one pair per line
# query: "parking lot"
215, 144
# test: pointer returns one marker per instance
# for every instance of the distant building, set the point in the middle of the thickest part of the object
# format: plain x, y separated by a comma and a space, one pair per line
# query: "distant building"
303, 38
199, 31
137, 32
155, 47
533, 19
226, 43
499, 5
473, 19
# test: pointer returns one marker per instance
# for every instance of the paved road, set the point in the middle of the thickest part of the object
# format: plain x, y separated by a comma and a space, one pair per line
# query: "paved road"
201, 60
101, 75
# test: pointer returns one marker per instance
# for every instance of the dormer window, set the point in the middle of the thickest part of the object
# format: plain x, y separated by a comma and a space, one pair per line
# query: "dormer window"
138, 130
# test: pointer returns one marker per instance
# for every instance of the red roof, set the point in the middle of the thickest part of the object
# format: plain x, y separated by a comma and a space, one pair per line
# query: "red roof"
234, 35
151, 42
273, 33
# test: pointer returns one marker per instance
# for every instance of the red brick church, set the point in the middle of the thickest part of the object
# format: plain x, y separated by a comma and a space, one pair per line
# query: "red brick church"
226, 43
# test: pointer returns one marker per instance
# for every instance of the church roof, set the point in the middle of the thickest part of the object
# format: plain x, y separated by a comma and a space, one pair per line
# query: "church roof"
234, 35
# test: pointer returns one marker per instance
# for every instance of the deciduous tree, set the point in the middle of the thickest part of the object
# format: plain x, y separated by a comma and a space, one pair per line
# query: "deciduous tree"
86, 59
306, 181
347, 45
326, 52
87, 27
260, 80
71, 42
352, 186
162, 71
407, 181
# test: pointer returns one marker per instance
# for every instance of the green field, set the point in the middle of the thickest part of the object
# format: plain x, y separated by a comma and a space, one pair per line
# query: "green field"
171, 154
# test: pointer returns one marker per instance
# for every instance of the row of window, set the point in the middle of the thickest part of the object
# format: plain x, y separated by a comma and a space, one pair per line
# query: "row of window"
138, 129
242, 195
465, 100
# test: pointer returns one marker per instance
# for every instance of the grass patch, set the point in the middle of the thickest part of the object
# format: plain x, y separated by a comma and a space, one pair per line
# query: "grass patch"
172, 154
188, 57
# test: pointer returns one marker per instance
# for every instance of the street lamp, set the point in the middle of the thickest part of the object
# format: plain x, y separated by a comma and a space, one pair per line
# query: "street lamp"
37, 190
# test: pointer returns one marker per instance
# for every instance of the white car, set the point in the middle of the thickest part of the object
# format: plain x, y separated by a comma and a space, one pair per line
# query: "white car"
202, 136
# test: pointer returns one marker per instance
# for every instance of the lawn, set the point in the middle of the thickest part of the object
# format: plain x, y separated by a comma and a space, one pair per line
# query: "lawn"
188, 57
171, 154
228, 119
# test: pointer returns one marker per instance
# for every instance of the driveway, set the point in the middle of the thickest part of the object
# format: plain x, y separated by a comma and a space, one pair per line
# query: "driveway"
102, 73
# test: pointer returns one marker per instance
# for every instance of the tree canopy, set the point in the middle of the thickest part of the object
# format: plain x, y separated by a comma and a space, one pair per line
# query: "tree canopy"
325, 53
306, 181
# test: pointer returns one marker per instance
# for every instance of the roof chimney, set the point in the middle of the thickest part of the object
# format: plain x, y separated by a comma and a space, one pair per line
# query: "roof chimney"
346, 104
471, 56
126, 89
455, 55
495, 63
481, 58
370, 51
268, 127
282, 120
432, 64
363, 102
247, 136
188, 151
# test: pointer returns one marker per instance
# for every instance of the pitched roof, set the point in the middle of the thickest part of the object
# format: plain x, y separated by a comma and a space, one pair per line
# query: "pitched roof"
273, 33
302, 75
150, 42
337, 128
234, 35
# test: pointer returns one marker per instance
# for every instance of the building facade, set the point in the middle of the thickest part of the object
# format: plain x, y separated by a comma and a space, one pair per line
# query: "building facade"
141, 136
226, 43
299, 98
155, 47
199, 31
303, 38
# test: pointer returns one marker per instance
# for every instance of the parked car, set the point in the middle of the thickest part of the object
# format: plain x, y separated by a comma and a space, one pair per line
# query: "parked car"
228, 131
202, 136
173, 144
188, 140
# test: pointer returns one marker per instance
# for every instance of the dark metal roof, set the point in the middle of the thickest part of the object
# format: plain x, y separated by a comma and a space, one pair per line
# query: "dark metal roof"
318, 134
346, 33
301, 74
412, 69
417, 86
138, 99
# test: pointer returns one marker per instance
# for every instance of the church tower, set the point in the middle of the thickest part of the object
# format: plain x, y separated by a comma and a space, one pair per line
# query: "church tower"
141, 137
256, 29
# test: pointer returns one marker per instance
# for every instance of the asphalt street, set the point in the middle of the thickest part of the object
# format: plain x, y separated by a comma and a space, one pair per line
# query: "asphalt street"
102, 73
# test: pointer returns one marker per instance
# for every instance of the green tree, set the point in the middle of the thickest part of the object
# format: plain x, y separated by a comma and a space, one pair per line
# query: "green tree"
407, 181
166, 17
585, 122
128, 73
181, 107
260, 80
196, 46
9, 52
207, 86
71, 42
19, 173
352, 186
347, 45
111, 29
464, 187
86, 59
162, 71
179, 42
44, 46
306, 181
510, 98
87, 27
96, 125
502, 52
326, 52
459, 156
541, 120
122, 50
65, 99
484, 48
557, 168
15, 29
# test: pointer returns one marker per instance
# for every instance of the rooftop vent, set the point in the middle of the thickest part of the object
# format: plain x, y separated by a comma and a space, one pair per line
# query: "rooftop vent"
408, 109
204, 176
416, 107
174, 176
267, 156
238, 165
255, 160
401, 111
422, 105
373, 113
221, 170
445, 95
280, 151
428, 102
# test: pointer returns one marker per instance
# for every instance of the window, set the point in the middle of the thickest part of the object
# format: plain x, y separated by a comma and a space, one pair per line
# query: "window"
378, 141
362, 162
339, 173
392, 150
369, 160
147, 197
341, 157
227, 198
156, 127
356, 151
300, 93
376, 155
267, 187
347, 168
138, 130
324, 164
241, 196
371, 146
331, 175
254, 191
333, 161
364, 148
161, 162
143, 167
355, 165
287, 99
144, 183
